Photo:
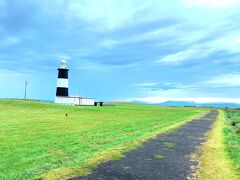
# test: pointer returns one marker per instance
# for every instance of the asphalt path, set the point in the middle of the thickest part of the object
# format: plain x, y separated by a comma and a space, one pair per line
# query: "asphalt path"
166, 157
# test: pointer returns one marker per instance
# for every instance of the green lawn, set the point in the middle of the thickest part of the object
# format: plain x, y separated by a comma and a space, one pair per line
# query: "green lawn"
38, 140
232, 135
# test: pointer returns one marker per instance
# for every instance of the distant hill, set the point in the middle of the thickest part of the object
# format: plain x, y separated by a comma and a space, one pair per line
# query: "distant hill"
191, 103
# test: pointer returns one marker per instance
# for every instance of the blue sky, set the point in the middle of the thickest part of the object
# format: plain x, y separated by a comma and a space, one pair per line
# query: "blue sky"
122, 49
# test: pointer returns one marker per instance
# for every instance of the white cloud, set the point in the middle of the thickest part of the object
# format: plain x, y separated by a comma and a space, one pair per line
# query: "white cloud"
110, 43
106, 14
227, 80
111, 15
179, 57
155, 87
154, 34
96, 66
145, 36
229, 44
211, 3
146, 84
154, 100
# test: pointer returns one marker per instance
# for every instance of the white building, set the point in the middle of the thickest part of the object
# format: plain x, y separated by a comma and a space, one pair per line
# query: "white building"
75, 101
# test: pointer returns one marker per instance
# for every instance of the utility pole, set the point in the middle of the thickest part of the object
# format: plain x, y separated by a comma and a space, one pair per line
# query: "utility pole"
25, 92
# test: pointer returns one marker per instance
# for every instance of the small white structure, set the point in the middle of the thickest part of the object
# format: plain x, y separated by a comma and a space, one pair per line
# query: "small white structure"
62, 90
74, 101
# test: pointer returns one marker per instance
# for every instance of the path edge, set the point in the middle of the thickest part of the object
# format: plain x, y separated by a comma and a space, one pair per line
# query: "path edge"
212, 158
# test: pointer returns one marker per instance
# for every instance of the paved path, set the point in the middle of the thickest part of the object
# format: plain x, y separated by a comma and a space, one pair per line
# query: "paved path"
167, 157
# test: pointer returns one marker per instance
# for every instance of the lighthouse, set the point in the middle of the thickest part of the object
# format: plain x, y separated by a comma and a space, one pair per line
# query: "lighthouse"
62, 96
62, 81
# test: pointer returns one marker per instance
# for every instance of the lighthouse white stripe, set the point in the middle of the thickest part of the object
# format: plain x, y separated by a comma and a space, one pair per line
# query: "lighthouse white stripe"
62, 83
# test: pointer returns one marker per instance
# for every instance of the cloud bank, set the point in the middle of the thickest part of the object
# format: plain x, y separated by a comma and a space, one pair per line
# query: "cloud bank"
120, 48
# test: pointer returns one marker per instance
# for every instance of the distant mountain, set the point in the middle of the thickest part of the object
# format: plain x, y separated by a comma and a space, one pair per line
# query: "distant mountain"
190, 103
177, 103
186, 103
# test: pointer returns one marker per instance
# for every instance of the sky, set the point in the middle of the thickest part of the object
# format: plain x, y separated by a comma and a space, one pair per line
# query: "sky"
151, 51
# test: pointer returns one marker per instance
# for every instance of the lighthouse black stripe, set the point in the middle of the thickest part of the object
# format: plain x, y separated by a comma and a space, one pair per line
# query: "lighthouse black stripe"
62, 91
63, 73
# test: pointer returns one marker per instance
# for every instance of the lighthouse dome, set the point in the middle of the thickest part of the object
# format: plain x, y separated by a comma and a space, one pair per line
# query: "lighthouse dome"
63, 64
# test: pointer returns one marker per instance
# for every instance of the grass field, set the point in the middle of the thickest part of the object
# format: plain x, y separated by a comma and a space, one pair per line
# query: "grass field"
232, 135
213, 159
38, 141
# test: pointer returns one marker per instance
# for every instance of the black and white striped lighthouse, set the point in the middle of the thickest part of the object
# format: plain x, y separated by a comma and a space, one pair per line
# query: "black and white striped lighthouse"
62, 90
62, 81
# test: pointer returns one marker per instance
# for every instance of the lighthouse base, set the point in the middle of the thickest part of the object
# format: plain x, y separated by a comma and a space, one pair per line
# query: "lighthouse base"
74, 101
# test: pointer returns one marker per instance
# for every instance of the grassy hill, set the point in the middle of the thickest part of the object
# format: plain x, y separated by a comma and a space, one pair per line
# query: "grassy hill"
38, 139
